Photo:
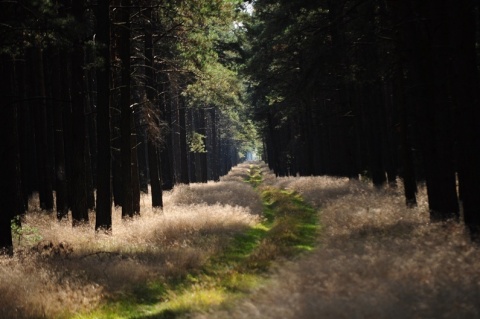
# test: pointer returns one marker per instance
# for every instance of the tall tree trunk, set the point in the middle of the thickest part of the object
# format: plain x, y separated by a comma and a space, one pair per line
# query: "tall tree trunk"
155, 182
26, 135
135, 172
141, 147
202, 129
191, 155
215, 149
183, 143
79, 204
166, 152
90, 129
65, 60
398, 12
466, 98
424, 34
408, 171
125, 108
60, 169
9, 164
103, 220
152, 153
38, 108
89, 180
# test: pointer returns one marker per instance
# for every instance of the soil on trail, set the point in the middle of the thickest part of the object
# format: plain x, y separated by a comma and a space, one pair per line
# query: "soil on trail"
374, 259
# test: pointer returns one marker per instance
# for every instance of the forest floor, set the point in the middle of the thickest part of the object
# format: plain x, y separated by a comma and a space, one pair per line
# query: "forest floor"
375, 258
249, 246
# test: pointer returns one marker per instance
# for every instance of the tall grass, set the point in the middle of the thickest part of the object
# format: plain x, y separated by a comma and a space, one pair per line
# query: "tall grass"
59, 270
376, 259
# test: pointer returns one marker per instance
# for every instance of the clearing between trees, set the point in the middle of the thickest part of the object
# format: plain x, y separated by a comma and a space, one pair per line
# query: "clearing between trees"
230, 249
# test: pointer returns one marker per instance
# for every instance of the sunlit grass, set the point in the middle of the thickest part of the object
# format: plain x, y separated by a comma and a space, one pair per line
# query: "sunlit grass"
209, 246
375, 259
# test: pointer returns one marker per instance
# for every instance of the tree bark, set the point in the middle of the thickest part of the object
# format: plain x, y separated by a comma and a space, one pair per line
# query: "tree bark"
183, 143
203, 155
125, 108
79, 196
466, 99
60, 169
424, 35
9, 187
152, 153
166, 152
103, 219
38, 107
135, 173
215, 149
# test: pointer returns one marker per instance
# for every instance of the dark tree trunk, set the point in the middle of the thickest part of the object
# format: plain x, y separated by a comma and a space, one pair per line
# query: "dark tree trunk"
202, 129
465, 84
79, 196
90, 129
215, 148
90, 188
58, 109
166, 152
26, 135
135, 173
91, 122
425, 33
141, 147
38, 107
155, 182
191, 155
126, 112
103, 219
117, 185
408, 170
398, 14
11, 200
153, 167
183, 144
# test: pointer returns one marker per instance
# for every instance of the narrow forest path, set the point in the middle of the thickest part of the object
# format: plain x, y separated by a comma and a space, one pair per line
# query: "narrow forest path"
375, 259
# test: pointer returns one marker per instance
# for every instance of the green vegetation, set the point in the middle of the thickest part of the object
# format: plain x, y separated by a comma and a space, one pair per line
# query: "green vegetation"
289, 228
26, 235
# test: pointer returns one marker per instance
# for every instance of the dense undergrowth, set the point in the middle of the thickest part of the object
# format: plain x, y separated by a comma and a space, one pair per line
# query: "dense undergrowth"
212, 244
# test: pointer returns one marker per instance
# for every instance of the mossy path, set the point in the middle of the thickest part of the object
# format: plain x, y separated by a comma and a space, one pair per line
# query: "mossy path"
289, 227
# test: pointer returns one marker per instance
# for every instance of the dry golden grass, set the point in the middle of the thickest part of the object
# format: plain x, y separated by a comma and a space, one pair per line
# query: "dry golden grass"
376, 259
74, 269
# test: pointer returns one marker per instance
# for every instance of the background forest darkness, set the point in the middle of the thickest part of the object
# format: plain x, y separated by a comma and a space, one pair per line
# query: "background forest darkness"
113, 96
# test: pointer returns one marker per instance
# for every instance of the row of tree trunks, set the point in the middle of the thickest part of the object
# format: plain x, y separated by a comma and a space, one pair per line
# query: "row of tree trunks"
407, 105
80, 128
